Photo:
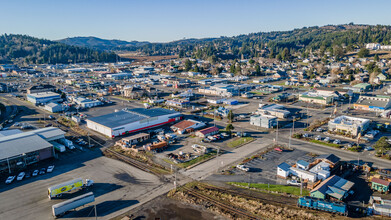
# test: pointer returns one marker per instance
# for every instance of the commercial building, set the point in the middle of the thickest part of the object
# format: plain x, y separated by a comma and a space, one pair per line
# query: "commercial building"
283, 170
43, 97
53, 107
349, 125
333, 187
40, 88
316, 98
187, 126
273, 109
207, 131
377, 103
363, 87
181, 103
131, 120
19, 149
264, 121
380, 185
87, 103
118, 76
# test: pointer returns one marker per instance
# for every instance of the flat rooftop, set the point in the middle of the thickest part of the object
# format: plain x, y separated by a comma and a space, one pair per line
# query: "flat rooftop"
44, 94
18, 144
127, 116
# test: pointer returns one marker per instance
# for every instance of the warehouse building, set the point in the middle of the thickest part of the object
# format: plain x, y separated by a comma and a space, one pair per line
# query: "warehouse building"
333, 187
349, 125
20, 149
43, 97
128, 121
263, 121
377, 103
87, 103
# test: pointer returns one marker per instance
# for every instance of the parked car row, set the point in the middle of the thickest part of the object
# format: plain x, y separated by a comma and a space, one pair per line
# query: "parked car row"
215, 137
327, 139
25, 175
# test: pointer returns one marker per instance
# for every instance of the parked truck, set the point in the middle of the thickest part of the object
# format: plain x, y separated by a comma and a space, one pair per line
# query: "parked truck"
323, 205
57, 146
63, 207
67, 143
58, 190
158, 147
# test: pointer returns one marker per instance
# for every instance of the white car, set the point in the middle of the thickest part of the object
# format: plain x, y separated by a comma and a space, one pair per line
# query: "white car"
294, 183
50, 169
318, 138
35, 173
20, 176
336, 141
10, 179
327, 139
242, 167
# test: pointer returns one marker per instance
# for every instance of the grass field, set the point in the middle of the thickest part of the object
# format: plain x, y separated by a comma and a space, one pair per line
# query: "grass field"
273, 188
198, 159
240, 141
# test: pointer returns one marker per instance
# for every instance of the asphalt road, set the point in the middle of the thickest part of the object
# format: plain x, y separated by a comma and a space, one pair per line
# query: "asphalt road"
118, 187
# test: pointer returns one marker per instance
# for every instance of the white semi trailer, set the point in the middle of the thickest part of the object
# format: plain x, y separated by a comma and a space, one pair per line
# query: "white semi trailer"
63, 207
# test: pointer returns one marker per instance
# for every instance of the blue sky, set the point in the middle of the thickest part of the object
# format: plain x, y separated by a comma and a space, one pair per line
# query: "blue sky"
168, 20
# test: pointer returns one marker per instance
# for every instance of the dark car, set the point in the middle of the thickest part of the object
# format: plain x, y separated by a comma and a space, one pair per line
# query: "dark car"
28, 175
42, 171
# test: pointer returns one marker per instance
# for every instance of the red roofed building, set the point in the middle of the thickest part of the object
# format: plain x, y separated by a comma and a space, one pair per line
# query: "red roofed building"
380, 185
207, 131
187, 125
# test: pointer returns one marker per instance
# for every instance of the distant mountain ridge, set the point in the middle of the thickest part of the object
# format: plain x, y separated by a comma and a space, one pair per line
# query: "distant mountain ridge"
101, 44
28, 50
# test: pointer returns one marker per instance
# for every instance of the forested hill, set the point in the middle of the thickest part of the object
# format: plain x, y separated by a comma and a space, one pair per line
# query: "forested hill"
330, 38
31, 50
101, 44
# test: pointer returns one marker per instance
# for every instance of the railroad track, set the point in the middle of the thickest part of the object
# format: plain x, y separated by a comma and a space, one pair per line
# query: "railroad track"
132, 162
234, 211
75, 134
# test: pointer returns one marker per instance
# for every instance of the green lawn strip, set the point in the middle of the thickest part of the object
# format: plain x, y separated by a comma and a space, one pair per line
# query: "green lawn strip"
273, 188
326, 144
239, 141
197, 160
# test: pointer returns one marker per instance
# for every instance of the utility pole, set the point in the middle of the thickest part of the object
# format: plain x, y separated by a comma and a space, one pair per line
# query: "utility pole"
290, 136
89, 141
293, 124
96, 216
277, 133
307, 116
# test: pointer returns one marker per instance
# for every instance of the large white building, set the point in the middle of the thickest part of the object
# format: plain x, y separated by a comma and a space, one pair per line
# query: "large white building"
131, 120
349, 125
43, 97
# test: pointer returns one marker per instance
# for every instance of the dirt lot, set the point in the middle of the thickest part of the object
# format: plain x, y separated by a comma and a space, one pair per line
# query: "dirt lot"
166, 208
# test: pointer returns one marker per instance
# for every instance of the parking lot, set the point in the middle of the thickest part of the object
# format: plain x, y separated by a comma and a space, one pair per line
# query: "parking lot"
264, 170
117, 186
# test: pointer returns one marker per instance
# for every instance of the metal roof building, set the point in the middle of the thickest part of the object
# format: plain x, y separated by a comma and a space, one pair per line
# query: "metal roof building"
20, 149
334, 186
131, 120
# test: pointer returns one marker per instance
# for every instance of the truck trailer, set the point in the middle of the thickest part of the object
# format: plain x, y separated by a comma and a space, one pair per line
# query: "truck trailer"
67, 143
58, 190
63, 207
58, 147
